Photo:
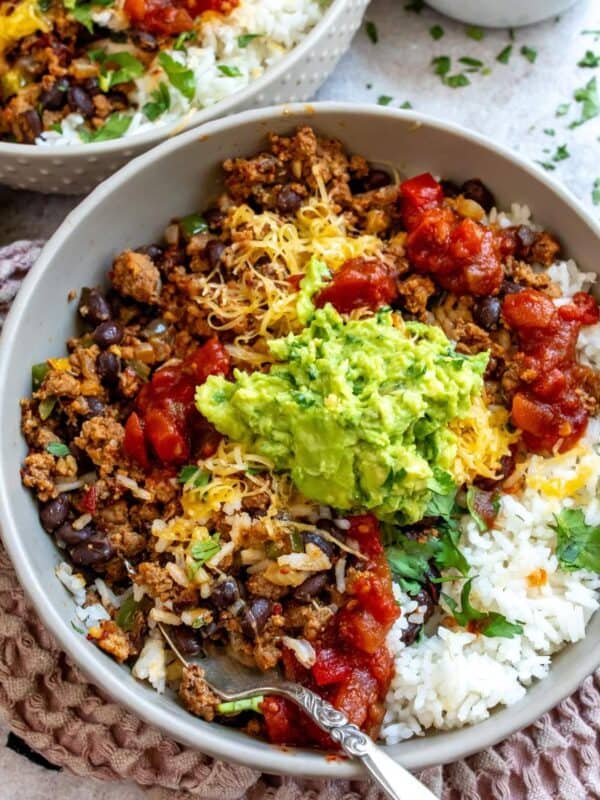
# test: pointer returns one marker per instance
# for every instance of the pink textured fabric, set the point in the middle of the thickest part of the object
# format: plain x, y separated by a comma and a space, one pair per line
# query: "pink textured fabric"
52, 706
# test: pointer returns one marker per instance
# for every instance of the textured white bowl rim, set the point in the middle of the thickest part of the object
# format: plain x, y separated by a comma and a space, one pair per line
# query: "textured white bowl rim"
160, 132
441, 748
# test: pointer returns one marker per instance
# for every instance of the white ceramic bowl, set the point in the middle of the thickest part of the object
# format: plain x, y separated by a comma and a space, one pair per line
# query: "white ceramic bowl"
501, 13
70, 169
131, 208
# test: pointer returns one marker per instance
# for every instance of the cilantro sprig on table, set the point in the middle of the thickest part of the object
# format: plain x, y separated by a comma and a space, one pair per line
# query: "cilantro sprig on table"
578, 544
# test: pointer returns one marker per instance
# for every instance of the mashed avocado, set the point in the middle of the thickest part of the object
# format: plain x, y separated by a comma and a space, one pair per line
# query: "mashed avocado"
357, 411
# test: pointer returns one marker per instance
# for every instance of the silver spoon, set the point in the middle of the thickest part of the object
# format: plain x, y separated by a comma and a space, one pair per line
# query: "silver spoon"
232, 681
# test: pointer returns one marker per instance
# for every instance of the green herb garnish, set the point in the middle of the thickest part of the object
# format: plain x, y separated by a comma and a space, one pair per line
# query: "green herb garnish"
456, 81
561, 153
546, 165
229, 72
193, 224
193, 475
179, 43
371, 30
549, 131
38, 373
471, 62
588, 97
562, 110
441, 65
160, 101
77, 628
504, 55
406, 104
436, 32
384, 100
203, 551
578, 544
119, 68
590, 59
488, 623
179, 75
475, 33
58, 449
114, 127
245, 39
596, 192
529, 53
126, 614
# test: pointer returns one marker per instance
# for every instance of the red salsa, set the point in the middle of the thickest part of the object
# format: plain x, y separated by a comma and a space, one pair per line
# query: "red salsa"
354, 668
165, 422
548, 407
359, 282
462, 255
171, 17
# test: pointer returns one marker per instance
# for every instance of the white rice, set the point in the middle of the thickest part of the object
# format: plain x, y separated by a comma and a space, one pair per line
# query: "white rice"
452, 677
282, 24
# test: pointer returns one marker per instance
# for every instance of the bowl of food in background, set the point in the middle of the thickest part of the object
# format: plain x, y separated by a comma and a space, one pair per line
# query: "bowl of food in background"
508, 14
329, 398
86, 86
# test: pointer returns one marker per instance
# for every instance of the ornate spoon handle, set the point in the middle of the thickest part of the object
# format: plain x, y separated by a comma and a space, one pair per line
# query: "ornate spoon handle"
397, 782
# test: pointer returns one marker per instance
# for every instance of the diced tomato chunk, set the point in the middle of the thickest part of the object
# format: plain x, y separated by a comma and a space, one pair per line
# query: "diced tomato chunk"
359, 282
87, 504
528, 309
419, 193
356, 695
134, 442
365, 529
330, 667
165, 436
359, 629
170, 17
583, 309
210, 359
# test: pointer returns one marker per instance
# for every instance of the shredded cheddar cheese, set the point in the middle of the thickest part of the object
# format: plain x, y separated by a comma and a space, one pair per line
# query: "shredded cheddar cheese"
20, 21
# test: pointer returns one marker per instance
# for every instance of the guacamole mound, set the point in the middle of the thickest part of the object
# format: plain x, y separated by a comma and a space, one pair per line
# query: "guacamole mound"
358, 411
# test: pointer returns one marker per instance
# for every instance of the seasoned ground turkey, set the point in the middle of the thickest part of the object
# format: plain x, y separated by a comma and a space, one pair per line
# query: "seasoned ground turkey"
135, 275
102, 438
196, 695
113, 640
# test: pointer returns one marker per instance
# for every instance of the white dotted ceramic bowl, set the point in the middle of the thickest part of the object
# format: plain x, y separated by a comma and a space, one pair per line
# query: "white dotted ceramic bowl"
505, 14
131, 208
77, 169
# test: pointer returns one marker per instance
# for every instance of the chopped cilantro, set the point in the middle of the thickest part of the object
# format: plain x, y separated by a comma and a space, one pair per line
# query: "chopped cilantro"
83, 15
205, 550
114, 127
97, 54
561, 153
58, 449
596, 192
160, 101
441, 64
473, 494
471, 62
436, 32
229, 72
179, 43
384, 100
128, 68
546, 165
529, 53
511, 34
77, 628
371, 31
504, 55
578, 544
245, 39
562, 110
193, 476
549, 131
56, 126
475, 33
182, 78
406, 104
489, 623
126, 614
590, 59
193, 224
456, 81
588, 97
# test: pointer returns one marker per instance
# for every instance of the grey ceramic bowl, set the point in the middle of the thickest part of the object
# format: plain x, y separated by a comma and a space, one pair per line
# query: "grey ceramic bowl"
131, 208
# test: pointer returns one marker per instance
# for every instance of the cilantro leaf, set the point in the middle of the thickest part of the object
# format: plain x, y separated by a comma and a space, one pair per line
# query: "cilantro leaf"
588, 97
475, 496
179, 75
561, 154
562, 110
596, 192
456, 81
475, 33
118, 68
201, 552
441, 65
58, 449
384, 100
245, 39
443, 494
160, 101
578, 544
126, 614
83, 15
488, 623
436, 32
590, 59
409, 561
406, 104
179, 43
504, 55
114, 127
448, 555
371, 31
192, 475
529, 53
471, 62
229, 72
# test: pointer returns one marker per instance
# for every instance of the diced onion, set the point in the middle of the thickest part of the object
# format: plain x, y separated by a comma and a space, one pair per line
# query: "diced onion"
81, 521
303, 650
133, 487
340, 575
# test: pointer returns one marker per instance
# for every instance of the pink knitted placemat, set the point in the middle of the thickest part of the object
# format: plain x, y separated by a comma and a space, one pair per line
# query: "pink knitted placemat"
51, 705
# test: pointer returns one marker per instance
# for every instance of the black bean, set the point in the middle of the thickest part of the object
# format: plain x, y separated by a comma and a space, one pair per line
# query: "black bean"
91, 86
208, 630
54, 98
410, 633
213, 252
71, 537
32, 124
108, 367
424, 598
225, 593
93, 552
94, 307
311, 586
508, 287
450, 188
81, 457
79, 100
108, 333
186, 640
486, 312
288, 201
253, 618
214, 219
320, 542
476, 190
54, 512
95, 407
143, 40
376, 179
153, 251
